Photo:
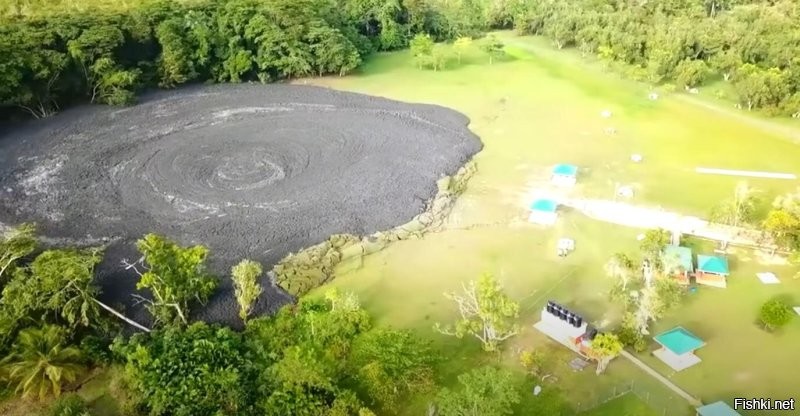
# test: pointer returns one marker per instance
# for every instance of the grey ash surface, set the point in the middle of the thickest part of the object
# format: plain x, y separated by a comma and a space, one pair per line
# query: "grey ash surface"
250, 171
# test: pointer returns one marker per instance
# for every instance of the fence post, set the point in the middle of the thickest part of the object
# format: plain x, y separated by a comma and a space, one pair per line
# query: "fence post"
648, 397
615, 392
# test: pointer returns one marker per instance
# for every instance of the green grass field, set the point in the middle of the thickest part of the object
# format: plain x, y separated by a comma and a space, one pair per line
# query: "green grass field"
540, 107
627, 405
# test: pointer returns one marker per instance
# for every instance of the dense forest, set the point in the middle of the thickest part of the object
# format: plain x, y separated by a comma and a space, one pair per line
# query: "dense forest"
54, 55
752, 44
58, 53
322, 356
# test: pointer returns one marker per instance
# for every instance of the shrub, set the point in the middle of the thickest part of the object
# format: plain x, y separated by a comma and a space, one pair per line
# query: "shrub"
774, 314
532, 361
96, 349
69, 405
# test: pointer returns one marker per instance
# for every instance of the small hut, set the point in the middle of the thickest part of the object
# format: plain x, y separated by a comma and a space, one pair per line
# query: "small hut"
683, 257
719, 408
564, 175
543, 211
712, 270
677, 348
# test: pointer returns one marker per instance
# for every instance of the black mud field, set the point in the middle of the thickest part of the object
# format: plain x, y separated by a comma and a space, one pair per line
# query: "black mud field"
250, 171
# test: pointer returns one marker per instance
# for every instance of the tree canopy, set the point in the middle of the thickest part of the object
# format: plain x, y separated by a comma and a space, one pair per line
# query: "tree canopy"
744, 42
57, 286
60, 52
175, 276
487, 313
484, 391
774, 314
320, 357
41, 362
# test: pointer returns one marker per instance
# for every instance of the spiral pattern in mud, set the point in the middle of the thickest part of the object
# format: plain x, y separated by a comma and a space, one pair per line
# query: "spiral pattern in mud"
250, 171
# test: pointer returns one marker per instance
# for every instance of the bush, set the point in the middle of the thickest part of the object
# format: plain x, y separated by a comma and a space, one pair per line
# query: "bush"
69, 405
630, 336
774, 314
532, 361
668, 88
97, 349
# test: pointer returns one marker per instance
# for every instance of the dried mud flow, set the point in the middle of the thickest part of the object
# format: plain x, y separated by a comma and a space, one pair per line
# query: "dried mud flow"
250, 171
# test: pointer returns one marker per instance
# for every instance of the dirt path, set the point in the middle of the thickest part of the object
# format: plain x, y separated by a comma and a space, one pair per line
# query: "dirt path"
689, 398
645, 217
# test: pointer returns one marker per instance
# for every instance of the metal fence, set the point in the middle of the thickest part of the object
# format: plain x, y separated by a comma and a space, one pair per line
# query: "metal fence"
661, 402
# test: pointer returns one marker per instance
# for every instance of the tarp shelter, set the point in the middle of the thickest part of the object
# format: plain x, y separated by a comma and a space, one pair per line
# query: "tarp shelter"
564, 175
716, 409
712, 270
543, 211
677, 348
768, 278
683, 255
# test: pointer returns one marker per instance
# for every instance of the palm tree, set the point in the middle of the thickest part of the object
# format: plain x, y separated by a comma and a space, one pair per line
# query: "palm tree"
41, 361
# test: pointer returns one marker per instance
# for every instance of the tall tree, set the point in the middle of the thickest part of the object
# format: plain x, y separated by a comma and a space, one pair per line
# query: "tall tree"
604, 348
461, 45
738, 210
245, 285
392, 366
621, 268
774, 314
783, 221
422, 50
41, 362
197, 370
484, 391
493, 47
652, 247
174, 275
58, 284
487, 313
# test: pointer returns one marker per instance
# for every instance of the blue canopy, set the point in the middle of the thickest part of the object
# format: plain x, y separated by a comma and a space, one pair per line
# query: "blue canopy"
565, 170
682, 254
712, 264
544, 205
716, 409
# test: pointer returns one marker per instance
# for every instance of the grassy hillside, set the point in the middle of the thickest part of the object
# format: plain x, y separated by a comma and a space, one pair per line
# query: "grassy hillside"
538, 108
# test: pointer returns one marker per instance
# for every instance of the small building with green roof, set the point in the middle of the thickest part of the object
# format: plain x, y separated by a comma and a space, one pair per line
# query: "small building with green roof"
719, 408
712, 270
543, 211
564, 175
683, 256
677, 348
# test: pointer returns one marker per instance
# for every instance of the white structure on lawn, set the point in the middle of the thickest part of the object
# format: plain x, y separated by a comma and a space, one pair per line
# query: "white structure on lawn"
543, 211
564, 175
566, 327
677, 348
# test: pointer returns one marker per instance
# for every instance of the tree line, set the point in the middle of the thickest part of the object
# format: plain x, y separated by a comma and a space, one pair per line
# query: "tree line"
750, 44
55, 56
320, 356
60, 53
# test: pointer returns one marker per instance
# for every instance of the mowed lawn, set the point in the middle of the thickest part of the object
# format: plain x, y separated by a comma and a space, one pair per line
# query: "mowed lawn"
627, 405
537, 108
